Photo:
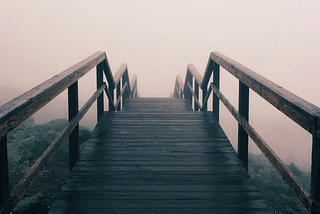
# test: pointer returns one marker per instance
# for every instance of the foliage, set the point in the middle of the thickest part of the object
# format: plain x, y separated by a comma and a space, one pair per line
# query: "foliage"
26, 144
273, 188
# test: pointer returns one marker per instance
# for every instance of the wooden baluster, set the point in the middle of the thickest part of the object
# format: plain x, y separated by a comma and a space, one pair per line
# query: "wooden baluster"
189, 91
196, 90
118, 95
216, 82
73, 107
204, 94
315, 168
111, 90
244, 112
4, 175
125, 94
100, 103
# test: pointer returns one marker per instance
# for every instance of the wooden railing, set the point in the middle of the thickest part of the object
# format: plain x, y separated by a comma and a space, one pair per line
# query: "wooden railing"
21, 108
297, 109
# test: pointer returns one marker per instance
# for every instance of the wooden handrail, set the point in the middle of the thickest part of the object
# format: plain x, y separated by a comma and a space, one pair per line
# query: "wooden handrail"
134, 86
21, 108
297, 109
178, 88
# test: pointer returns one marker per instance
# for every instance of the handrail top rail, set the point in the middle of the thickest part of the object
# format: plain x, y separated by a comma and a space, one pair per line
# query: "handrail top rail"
304, 113
195, 73
29, 102
245, 75
179, 79
119, 73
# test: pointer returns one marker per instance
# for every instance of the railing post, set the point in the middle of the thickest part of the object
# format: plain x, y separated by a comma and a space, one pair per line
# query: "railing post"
100, 104
4, 175
118, 95
204, 94
315, 168
216, 82
125, 94
111, 90
196, 91
73, 107
189, 90
242, 135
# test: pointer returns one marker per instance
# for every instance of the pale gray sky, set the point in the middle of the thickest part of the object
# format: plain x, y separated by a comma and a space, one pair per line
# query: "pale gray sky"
157, 39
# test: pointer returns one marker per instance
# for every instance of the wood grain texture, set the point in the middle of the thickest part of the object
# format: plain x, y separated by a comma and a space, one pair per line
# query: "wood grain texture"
157, 156
118, 75
195, 73
299, 110
19, 109
21, 188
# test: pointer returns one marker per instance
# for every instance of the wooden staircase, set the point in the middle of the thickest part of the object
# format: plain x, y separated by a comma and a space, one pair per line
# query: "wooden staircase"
158, 156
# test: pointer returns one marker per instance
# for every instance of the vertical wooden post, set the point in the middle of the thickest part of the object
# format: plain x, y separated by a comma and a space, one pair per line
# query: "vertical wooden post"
73, 107
204, 94
315, 168
189, 91
216, 82
4, 175
124, 81
118, 95
100, 104
111, 90
196, 91
242, 135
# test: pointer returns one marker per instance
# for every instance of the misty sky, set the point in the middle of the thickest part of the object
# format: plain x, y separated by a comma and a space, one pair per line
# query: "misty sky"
280, 39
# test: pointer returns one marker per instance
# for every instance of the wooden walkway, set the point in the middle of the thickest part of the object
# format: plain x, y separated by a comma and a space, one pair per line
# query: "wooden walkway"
157, 156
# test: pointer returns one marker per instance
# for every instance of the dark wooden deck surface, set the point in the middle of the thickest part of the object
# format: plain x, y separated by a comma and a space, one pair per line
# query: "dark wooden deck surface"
157, 156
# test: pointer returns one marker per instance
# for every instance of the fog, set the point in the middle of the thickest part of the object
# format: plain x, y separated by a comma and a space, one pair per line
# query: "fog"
157, 39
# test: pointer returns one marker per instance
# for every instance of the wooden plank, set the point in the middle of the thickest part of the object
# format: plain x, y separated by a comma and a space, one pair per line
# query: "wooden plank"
304, 196
299, 110
21, 188
78, 210
129, 165
19, 109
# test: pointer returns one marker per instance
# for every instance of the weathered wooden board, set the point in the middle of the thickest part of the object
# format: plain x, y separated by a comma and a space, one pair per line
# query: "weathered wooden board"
157, 156
19, 109
299, 110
